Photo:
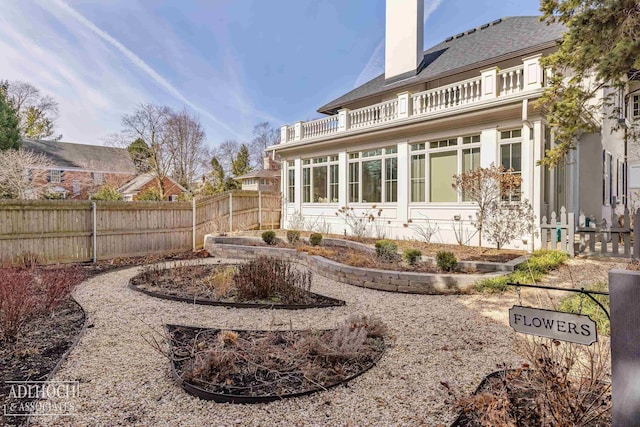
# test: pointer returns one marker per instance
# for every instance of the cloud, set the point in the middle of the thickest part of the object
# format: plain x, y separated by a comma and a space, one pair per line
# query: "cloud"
138, 62
375, 65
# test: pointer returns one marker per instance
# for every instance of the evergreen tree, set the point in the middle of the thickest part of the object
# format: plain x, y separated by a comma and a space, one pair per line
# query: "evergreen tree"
241, 165
601, 42
9, 122
139, 152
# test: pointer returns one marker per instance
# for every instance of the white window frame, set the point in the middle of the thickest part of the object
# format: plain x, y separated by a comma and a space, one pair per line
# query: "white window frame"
459, 144
511, 137
310, 164
383, 154
55, 176
291, 182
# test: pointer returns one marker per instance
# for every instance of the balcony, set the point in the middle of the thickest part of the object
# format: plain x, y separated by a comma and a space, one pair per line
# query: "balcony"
492, 84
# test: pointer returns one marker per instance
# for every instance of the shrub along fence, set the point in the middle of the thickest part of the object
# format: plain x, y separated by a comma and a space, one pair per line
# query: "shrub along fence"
74, 231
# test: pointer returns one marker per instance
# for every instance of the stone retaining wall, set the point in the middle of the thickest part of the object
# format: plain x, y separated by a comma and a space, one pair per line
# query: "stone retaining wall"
385, 280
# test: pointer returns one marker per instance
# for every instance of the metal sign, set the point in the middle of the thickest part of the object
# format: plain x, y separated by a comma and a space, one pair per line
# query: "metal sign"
557, 325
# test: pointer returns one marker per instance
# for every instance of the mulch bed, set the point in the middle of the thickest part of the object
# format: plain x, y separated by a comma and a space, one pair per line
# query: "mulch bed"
263, 366
510, 397
190, 284
37, 351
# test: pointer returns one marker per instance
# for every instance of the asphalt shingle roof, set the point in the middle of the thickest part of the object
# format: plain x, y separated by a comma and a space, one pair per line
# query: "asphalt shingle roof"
65, 155
502, 37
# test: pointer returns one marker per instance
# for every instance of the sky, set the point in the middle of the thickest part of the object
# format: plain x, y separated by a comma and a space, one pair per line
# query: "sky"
234, 63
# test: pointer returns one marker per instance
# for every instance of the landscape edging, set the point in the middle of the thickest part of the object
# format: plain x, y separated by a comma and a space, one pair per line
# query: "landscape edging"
383, 280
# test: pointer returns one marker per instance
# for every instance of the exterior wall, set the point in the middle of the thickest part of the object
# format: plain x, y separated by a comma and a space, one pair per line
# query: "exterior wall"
170, 188
82, 181
270, 185
399, 219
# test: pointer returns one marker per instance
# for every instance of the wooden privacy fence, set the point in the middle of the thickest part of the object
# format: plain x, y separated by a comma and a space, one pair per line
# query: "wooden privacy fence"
75, 231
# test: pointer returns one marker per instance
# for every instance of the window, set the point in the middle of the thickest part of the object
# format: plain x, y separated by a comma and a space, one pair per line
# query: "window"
607, 179
354, 182
444, 159
373, 176
76, 187
291, 183
418, 190
98, 178
635, 106
470, 162
511, 157
320, 180
442, 167
55, 176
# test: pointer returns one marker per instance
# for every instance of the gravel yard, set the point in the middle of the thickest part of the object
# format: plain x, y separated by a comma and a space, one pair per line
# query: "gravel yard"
125, 381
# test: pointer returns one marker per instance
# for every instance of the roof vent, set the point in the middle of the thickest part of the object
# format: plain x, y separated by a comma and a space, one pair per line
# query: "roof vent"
471, 31
496, 22
484, 26
459, 35
448, 39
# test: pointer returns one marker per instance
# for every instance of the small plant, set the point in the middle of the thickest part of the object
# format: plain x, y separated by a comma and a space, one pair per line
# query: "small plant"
531, 271
424, 230
446, 261
108, 193
386, 250
220, 282
293, 236
150, 195
582, 304
315, 239
265, 278
269, 237
411, 256
359, 224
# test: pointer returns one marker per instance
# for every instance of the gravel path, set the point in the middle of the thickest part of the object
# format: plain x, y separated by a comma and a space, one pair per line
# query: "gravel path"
124, 381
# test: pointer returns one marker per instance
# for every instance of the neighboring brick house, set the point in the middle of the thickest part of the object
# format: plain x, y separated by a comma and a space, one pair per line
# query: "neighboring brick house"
132, 189
78, 170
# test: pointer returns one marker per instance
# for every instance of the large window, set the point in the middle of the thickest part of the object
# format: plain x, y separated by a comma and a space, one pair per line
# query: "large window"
373, 176
291, 182
440, 160
442, 167
320, 180
511, 157
635, 106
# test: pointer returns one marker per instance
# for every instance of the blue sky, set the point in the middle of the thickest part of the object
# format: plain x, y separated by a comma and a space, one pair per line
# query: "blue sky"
233, 62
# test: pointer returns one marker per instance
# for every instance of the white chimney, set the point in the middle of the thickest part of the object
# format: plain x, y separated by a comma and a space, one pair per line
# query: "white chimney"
403, 39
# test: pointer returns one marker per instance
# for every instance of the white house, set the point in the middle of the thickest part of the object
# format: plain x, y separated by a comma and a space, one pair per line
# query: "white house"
469, 101
265, 179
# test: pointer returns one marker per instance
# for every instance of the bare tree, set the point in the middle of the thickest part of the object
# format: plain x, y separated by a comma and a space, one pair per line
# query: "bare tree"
225, 153
264, 135
486, 188
15, 172
149, 122
186, 145
38, 113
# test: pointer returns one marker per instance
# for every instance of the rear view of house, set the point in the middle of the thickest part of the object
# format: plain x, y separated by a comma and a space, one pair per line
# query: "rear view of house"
467, 102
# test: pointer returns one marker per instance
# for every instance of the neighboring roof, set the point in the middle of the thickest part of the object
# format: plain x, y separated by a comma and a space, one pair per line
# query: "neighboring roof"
96, 158
473, 48
136, 184
262, 173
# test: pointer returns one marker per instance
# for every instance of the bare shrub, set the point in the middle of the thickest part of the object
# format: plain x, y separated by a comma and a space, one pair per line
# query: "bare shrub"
17, 301
317, 250
296, 221
359, 223
220, 282
424, 230
265, 278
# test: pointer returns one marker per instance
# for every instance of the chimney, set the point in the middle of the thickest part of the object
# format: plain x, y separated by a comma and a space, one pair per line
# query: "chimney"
403, 39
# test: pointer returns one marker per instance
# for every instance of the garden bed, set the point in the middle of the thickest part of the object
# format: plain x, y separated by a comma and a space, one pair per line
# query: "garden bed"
214, 285
513, 397
264, 366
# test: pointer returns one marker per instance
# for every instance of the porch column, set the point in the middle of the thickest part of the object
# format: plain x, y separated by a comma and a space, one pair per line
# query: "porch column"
403, 183
342, 178
489, 147
298, 188
537, 189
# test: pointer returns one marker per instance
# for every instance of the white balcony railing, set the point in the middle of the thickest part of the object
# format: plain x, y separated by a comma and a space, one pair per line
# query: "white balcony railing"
491, 85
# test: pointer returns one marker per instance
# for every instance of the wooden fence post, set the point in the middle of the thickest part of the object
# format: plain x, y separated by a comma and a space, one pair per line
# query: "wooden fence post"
94, 231
230, 212
259, 210
636, 236
193, 220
